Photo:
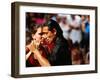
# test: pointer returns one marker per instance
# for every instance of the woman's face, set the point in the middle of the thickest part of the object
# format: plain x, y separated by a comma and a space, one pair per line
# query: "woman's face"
37, 35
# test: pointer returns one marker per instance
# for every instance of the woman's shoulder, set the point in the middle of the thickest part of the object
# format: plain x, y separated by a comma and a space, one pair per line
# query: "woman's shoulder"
27, 49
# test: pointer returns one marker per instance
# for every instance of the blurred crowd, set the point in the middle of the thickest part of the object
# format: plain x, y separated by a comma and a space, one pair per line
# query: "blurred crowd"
76, 30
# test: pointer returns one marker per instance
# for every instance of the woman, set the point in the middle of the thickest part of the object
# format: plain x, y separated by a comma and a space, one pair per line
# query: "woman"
35, 53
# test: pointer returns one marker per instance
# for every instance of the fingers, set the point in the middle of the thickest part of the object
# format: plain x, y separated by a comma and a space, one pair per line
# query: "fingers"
32, 46
32, 42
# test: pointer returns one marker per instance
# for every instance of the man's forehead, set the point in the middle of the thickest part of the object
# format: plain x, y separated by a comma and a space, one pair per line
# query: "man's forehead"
45, 28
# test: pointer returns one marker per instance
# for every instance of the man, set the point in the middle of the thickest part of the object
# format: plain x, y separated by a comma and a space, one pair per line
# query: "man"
55, 44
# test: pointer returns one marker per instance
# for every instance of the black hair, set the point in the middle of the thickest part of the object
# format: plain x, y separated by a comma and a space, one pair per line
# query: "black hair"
54, 25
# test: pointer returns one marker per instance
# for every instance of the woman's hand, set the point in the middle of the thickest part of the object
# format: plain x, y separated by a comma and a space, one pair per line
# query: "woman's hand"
37, 55
32, 47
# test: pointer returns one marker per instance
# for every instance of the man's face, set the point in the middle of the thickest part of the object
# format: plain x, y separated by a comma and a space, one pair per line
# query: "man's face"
45, 32
48, 35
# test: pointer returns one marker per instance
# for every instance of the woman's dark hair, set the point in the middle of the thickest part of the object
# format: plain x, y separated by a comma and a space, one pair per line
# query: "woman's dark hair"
34, 27
28, 37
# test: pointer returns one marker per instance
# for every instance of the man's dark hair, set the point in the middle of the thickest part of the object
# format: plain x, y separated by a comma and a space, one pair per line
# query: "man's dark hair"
54, 25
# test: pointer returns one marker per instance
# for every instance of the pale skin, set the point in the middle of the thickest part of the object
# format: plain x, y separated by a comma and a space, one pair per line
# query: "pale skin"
29, 53
33, 49
43, 61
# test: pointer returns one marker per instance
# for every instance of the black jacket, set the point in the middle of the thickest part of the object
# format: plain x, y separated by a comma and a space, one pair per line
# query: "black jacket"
60, 54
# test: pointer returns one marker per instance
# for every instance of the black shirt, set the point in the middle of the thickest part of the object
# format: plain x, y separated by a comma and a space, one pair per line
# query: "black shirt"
60, 54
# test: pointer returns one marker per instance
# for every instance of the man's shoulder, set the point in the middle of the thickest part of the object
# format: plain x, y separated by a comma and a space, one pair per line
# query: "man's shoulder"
61, 42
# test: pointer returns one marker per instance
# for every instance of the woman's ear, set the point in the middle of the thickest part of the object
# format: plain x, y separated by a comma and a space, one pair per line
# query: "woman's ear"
32, 36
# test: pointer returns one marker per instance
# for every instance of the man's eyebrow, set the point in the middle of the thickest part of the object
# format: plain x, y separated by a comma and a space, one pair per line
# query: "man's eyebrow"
44, 32
40, 33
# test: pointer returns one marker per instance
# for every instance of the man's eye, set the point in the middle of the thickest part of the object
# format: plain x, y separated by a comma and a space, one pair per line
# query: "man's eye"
40, 33
45, 32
